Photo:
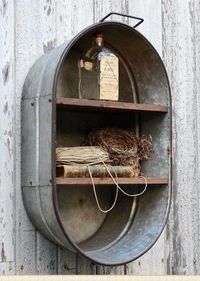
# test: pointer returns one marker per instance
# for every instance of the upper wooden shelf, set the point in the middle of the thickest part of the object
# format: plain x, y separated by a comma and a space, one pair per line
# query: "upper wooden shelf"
108, 181
99, 105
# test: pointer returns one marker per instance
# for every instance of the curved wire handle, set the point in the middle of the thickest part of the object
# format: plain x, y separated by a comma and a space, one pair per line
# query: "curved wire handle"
124, 15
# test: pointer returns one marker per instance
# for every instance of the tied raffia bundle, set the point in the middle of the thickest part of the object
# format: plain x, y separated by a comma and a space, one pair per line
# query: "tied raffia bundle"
73, 162
80, 155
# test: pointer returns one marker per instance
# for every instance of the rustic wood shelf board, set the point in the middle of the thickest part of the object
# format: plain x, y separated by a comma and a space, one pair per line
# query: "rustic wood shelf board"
96, 105
108, 181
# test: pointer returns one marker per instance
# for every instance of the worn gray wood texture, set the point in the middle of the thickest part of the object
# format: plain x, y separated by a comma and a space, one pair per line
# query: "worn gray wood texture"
181, 27
28, 29
7, 212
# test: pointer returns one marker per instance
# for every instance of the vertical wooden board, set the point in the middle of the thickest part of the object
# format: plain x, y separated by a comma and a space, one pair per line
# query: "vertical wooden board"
7, 268
26, 253
25, 240
153, 261
111, 270
63, 32
180, 46
102, 8
24, 58
197, 91
47, 262
67, 262
151, 28
45, 26
72, 17
7, 215
85, 266
196, 20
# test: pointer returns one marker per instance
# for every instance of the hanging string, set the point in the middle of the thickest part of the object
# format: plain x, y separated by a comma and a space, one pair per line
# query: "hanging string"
117, 188
128, 194
96, 197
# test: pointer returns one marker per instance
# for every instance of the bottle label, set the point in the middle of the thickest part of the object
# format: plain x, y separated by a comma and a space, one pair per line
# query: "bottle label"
109, 77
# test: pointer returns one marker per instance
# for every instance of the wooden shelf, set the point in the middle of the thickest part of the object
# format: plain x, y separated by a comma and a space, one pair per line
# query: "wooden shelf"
97, 105
108, 181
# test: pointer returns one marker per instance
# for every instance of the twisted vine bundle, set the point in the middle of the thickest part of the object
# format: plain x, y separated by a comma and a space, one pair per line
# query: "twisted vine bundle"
124, 147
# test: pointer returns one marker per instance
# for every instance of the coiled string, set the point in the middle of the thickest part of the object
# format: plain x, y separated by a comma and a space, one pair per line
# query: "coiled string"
117, 188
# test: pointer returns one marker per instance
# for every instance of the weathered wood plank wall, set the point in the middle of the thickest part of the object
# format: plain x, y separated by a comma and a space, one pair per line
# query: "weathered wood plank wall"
30, 28
7, 84
181, 49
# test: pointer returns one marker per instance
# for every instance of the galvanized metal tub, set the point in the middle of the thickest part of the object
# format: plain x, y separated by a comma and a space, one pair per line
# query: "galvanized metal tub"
69, 216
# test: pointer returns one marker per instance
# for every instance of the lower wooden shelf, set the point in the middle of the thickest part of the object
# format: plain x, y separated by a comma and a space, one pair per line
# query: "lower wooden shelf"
108, 181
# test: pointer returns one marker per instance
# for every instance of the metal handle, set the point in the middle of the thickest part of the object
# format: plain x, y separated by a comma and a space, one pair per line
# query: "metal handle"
123, 15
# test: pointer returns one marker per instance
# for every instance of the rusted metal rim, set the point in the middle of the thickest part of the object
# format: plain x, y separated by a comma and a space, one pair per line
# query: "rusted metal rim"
54, 189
